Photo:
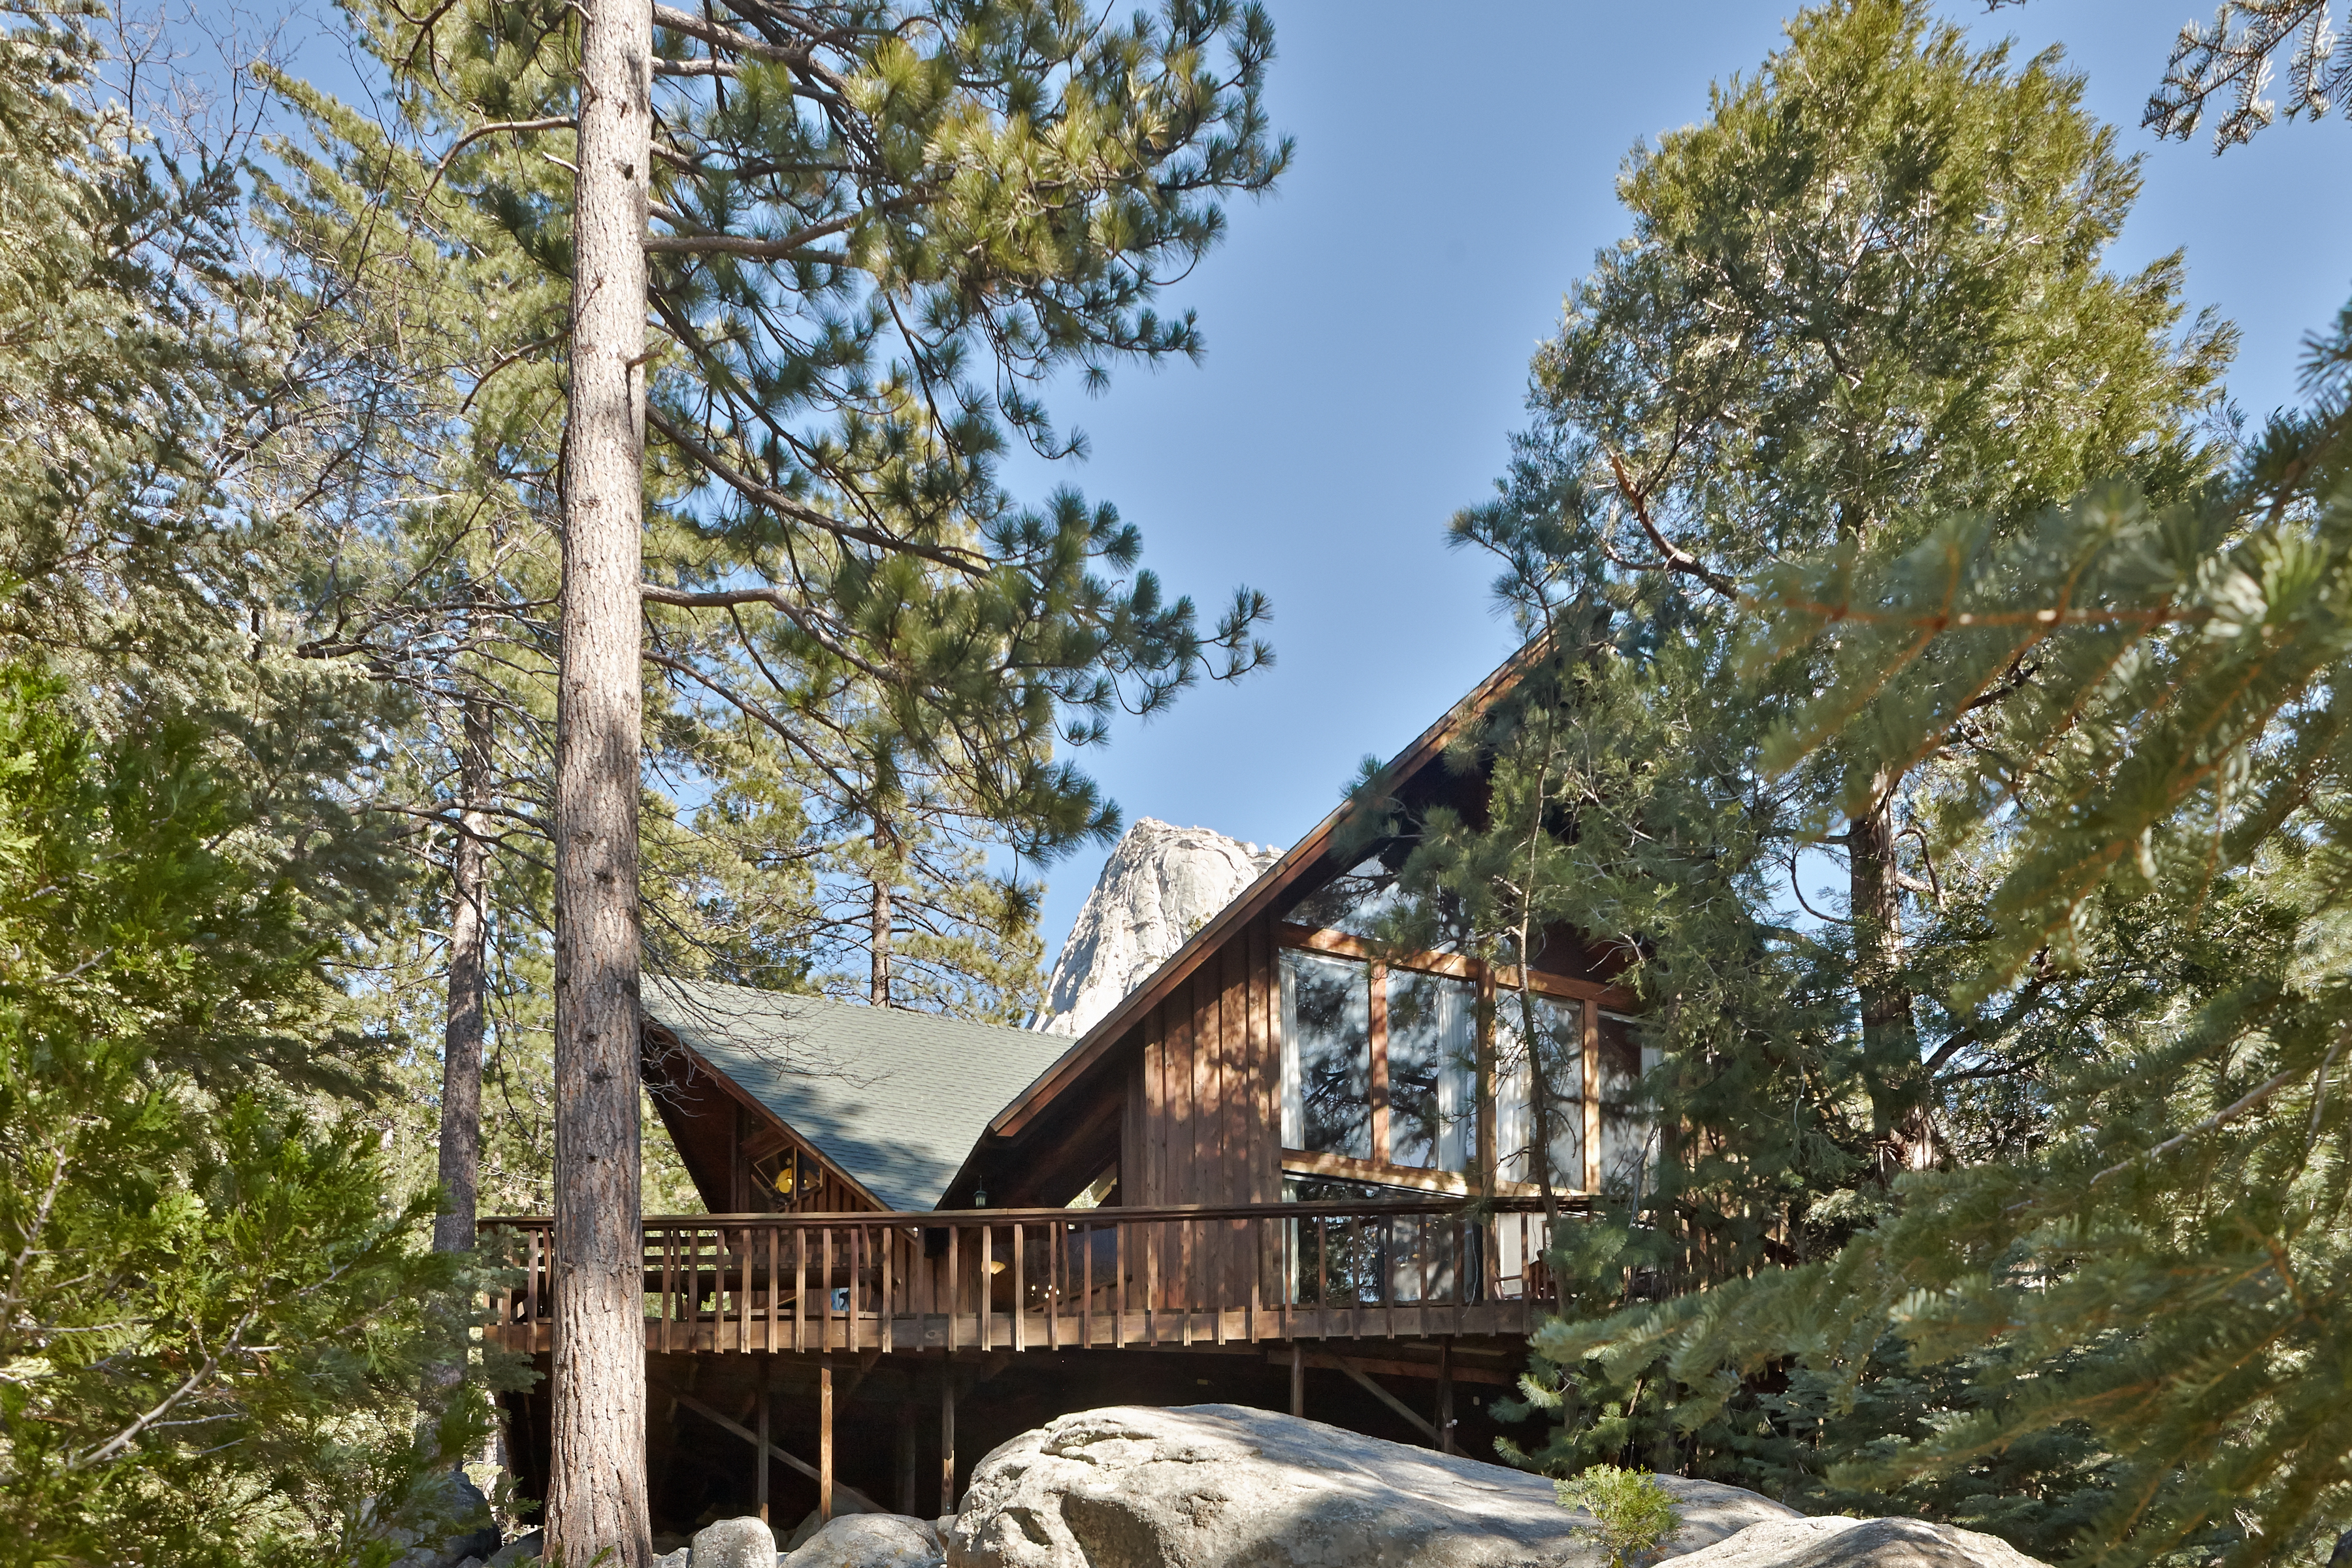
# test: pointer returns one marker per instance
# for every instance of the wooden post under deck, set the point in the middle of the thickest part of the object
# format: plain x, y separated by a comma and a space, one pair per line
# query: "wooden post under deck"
947, 1436
1445, 1394
759, 1486
825, 1443
1297, 1378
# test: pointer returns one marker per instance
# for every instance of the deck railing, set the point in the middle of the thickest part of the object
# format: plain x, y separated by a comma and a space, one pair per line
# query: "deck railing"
1021, 1280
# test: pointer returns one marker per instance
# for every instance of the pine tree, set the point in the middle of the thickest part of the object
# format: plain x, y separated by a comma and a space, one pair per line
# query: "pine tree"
1866, 291
2233, 55
213, 1324
877, 226
2154, 824
1824, 342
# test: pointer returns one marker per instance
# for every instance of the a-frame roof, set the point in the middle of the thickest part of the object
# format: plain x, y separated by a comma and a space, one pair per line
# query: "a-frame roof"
1276, 881
894, 1098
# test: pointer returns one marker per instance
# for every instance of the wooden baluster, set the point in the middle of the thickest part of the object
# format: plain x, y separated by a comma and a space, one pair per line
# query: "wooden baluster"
986, 1279
1019, 1293
531, 1288
955, 1245
1151, 1283
1285, 1231
1255, 1228
1356, 1292
1384, 1257
889, 1246
1087, 1295
1323, 1270
743, 1291
1464, 1290
1119, 1268
800, 1288
824, 1288
775, 1239
857, 1266
1055, 1271
1421, 1249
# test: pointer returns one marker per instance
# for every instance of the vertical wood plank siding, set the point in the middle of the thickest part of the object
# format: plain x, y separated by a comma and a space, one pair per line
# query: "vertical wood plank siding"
1200, 1124
1202, 1121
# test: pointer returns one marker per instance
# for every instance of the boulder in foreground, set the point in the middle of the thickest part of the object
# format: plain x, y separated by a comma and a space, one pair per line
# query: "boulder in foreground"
1857, 1543
1219, 1486
733, 1543
869, 1541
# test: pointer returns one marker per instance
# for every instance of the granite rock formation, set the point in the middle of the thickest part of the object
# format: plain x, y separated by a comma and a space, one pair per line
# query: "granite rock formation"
1160, 886
1219, 1486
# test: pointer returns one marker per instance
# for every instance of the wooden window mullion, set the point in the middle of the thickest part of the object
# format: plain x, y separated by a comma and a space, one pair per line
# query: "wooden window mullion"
1591, 1091
1379, 1048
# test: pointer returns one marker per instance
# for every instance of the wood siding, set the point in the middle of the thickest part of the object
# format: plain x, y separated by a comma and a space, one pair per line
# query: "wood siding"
1203, 1123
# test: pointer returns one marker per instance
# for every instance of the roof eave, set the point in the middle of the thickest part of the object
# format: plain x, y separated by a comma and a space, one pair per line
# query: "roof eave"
696, 1061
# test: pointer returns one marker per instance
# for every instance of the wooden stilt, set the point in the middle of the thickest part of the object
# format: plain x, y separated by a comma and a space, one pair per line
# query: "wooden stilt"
825, 1443
947, 1436
1445, 1394
760, 1482
1297, 1378
907, 1456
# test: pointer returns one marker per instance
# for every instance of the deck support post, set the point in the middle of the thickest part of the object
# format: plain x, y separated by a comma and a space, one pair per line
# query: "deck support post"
825, 1443
759, 1452
907, 1456
1297, 1378
1445, 1394
946, 1433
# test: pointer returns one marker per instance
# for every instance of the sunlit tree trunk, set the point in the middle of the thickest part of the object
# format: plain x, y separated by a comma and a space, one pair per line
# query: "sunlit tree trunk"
880, 918
596, 1500
461, 1040
1874, 902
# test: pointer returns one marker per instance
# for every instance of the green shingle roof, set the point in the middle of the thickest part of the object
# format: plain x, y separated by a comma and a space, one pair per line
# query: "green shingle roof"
894, 1098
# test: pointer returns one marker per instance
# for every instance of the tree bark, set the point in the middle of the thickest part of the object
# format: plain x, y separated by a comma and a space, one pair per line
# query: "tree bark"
461, 1037
879, 917
1889, 1035
596, 1497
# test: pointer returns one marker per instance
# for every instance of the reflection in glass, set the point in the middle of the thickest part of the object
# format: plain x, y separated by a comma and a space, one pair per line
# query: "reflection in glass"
1433, 1033
1354, 1260
1560, 1053
1627, 1146
1354, 902
1326, 1055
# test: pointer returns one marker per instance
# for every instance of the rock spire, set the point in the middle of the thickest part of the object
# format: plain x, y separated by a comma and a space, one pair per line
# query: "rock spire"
1161, 884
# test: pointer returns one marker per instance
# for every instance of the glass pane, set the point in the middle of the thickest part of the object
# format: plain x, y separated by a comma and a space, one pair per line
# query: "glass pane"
1559, 1041
1354, 902
1326, 1055
1627, 1147
1433, 1071
1349, 1260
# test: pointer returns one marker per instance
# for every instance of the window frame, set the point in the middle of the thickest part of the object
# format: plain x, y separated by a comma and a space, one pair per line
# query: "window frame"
1493, 981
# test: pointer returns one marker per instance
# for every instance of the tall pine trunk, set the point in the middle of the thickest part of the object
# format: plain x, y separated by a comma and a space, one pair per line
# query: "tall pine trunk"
461, 1039
596, 1498
879, 918
1889, 1036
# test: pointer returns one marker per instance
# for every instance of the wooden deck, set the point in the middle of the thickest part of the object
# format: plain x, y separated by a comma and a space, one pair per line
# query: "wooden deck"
1059, 1279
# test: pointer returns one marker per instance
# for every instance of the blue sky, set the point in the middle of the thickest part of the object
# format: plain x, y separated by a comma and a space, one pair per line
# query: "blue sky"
1369, 330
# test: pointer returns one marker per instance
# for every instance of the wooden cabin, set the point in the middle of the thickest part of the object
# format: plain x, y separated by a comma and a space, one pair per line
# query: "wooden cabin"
1293, 1170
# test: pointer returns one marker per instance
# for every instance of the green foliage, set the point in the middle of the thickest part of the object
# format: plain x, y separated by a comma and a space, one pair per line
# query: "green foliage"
1859, 488
213, 1323
924, 210
1634, 1518
2158, 816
